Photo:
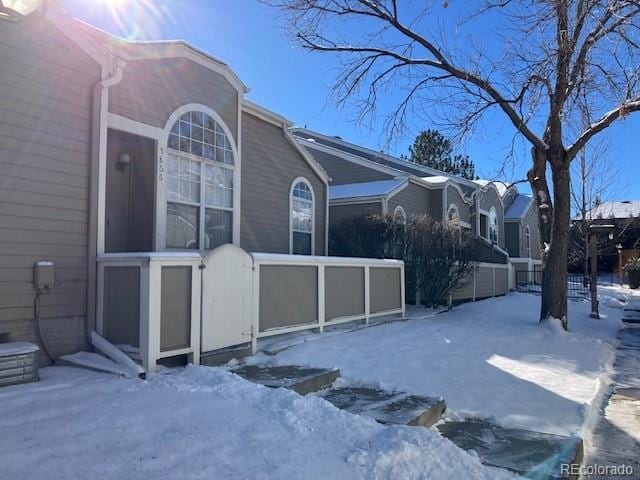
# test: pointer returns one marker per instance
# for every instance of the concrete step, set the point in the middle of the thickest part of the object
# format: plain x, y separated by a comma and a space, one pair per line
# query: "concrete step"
387, 407
301, 380
530, 454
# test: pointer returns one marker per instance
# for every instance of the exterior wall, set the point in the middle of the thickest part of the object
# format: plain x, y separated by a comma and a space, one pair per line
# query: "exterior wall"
512, 239
270, 164
531, 219
121, 311
413, 198
342, 171
435, 204
46, 87
487, 199
151, 90
453, 196
337, 213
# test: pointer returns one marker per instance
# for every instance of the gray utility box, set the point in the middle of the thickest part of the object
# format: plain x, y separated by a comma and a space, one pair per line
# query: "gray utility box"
44, 276
18, 363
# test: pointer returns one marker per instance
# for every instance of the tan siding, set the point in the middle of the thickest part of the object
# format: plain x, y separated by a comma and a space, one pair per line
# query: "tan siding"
413, 198
151, 90
45, 109
343, 171
270, 164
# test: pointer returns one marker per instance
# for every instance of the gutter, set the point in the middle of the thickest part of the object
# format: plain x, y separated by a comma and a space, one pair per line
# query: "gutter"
99, 111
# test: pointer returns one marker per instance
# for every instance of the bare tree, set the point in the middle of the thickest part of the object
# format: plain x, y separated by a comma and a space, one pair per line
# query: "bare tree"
544, 64
595, 178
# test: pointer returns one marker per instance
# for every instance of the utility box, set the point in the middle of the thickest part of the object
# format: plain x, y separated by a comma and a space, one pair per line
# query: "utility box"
44, 276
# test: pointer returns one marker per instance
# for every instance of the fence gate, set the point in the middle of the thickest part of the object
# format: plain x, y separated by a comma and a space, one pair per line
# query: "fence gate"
530, 281
227, 298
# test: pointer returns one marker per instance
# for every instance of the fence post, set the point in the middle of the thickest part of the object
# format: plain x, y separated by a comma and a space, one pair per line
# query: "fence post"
367, 294
493, 272
255, 311
402, 291
321, 299
473, 272
196, 311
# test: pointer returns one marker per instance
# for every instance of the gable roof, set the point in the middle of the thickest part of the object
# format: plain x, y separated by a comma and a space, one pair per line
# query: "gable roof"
381, 158
615, 209
518, 207
376, 189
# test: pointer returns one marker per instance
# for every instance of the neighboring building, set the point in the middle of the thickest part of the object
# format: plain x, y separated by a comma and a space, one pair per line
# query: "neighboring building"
615, 210
109, 146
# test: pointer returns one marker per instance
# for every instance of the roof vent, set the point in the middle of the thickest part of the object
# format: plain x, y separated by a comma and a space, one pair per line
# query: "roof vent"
338, 137
626, 201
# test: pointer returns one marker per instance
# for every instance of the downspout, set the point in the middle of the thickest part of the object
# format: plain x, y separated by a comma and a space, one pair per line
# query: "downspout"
99, 110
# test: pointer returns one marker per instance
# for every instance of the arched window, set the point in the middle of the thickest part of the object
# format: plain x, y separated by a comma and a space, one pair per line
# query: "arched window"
453, 216
302, 208
493, 225
527, 241
199, 183
399, 215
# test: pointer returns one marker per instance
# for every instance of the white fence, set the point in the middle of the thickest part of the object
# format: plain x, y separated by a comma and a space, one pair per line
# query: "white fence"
158, 305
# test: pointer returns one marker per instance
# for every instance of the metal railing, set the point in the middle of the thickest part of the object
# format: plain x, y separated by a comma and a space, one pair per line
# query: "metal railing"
530, 281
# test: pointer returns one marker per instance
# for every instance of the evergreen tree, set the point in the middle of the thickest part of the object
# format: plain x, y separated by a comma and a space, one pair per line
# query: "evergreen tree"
432, 149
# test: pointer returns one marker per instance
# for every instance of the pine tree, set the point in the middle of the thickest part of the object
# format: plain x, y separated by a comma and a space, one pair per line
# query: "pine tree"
432, 149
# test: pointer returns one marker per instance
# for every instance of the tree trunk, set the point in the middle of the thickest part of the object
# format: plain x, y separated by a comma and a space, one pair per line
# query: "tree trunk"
554, 276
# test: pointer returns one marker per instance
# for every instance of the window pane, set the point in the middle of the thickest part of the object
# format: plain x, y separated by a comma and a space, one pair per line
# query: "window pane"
217, 228
174, 142
182, 226
197, 118
301, 215
196, 148
301, 243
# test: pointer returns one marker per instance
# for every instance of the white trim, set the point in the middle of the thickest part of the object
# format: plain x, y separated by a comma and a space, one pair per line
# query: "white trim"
124, 124
494, 212
161, 201
313, 214
265, 114
315, 166
527, 240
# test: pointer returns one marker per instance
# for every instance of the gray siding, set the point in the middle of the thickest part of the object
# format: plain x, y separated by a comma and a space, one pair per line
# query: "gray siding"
342, 171
270, 164
151, 90
45, 109
531, 219
435, 203
512, 239
453, 196
413, 198
337, 213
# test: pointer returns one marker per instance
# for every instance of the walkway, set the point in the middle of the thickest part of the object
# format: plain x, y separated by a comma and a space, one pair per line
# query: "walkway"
616, 439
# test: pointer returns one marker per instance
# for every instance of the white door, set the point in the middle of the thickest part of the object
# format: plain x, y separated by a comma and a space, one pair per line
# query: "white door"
226, 298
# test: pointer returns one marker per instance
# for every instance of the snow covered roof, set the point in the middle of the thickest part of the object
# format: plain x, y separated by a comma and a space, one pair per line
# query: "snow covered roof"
378, 188
501, 186
518, 207
623, 209
436, 180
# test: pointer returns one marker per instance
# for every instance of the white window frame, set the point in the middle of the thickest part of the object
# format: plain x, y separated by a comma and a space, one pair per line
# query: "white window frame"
313, 214
161, 194
400, 215
493, 213
527, 241
455, 208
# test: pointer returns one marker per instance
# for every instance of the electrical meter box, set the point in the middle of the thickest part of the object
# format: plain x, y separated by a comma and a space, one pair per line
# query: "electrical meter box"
44, 275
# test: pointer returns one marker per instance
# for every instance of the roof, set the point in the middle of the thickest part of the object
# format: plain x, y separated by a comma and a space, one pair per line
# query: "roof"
381, 158
436, 180
615, 209
379, 188
518, 207
500, 186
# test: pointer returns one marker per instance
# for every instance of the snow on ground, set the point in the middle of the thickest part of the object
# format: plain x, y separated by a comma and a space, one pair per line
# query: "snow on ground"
490, 358
205, 423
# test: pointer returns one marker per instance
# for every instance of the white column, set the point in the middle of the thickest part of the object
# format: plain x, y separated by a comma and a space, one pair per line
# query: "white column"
321, 298
367, 295
196, 317
152, 331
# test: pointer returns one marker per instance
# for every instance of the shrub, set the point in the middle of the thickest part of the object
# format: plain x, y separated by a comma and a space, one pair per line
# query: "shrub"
632, 265
437, 257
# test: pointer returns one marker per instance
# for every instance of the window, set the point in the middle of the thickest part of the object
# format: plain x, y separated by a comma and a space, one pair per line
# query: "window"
484, 220
453, 216
527, 241
199, 184
493, 225
399, 215
302, 207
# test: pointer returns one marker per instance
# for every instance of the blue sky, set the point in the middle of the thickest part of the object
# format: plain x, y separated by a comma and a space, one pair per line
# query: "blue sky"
247, 35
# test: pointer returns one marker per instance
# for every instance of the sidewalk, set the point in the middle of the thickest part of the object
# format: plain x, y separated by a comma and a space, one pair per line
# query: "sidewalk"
616, 438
